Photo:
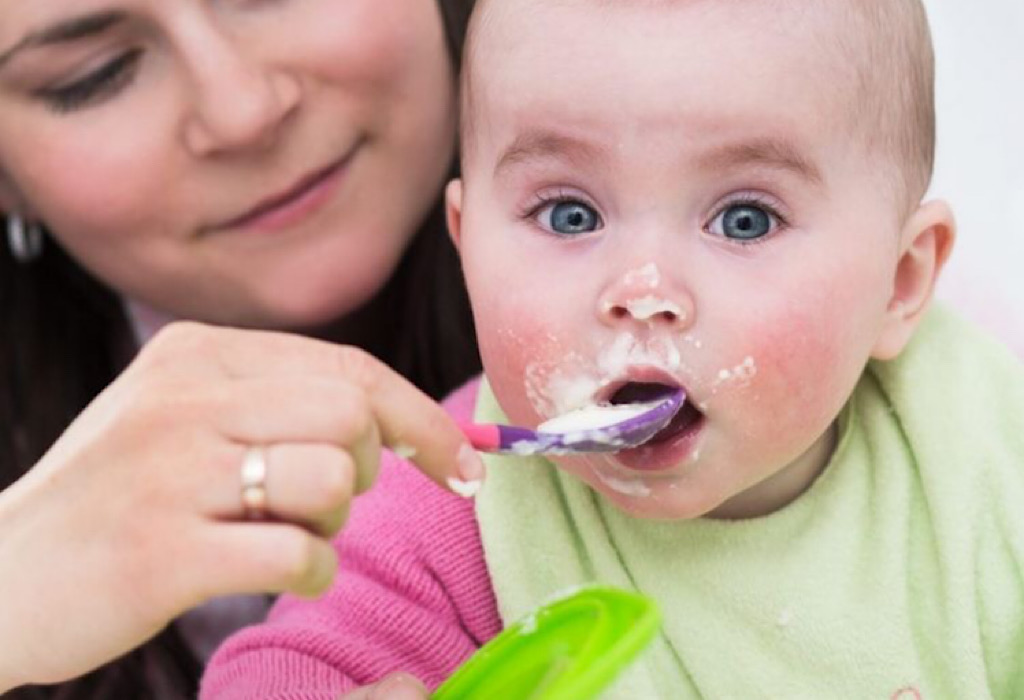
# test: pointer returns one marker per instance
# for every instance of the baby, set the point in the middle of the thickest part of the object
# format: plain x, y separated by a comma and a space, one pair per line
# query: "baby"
723, 197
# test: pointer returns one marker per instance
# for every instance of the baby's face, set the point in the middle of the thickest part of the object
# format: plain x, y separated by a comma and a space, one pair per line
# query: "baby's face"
672, 194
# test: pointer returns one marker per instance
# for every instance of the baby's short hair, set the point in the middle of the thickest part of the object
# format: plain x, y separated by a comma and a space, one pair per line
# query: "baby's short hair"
887, 47
890, 51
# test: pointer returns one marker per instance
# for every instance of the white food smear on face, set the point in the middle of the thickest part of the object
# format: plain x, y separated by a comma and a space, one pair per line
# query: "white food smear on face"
741, 374
466, 489
567, 392
646, 308
648, 276
744, 371
554, 390
696, 343
627, 487
629, 351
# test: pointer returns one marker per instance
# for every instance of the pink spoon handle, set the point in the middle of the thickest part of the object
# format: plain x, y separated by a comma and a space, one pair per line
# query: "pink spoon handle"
492, 437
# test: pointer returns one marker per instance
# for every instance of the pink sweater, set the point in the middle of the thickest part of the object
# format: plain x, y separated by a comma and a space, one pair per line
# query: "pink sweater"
412, 594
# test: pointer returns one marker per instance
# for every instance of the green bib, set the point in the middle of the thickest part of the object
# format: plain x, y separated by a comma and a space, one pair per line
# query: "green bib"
898, 574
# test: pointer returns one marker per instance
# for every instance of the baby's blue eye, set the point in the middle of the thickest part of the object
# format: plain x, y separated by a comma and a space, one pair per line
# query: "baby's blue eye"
743, 222
569, 218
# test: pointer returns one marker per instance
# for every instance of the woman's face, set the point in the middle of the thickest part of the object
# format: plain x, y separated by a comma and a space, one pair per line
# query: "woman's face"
240, 161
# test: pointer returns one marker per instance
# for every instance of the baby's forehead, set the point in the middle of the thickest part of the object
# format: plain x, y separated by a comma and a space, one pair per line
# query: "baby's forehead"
520, 45
650, 66
862, 67
497, 23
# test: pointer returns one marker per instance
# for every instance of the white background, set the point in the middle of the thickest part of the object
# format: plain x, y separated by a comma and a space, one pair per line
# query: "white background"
980, 160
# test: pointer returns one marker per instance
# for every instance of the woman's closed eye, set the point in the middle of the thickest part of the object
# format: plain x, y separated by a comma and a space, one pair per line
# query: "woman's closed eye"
94, 87
746, 220
567, 216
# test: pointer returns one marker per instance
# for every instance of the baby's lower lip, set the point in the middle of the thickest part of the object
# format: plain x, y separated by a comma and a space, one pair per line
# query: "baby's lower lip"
663, 453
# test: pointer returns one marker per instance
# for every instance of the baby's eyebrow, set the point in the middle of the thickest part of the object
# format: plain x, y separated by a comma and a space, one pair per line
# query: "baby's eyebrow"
539, 144
771, 152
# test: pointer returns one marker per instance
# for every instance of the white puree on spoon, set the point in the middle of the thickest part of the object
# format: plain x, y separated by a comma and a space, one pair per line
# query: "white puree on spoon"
594, 417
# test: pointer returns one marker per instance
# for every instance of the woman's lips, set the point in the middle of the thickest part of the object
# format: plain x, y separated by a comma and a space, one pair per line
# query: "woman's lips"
288, 208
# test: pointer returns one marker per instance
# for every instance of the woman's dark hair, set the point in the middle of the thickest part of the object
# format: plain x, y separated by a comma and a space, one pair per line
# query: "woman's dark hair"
64, 337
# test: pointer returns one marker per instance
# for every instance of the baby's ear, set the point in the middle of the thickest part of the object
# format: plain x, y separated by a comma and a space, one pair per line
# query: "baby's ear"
453, 210
925, 244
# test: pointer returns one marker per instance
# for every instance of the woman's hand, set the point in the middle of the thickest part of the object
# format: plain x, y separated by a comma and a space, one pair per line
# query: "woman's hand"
136, 515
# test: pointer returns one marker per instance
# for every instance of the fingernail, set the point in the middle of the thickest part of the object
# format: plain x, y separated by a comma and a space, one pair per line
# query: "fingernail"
466, 489
470, 465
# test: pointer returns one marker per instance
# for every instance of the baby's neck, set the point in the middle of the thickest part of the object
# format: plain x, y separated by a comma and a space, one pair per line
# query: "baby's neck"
781, 489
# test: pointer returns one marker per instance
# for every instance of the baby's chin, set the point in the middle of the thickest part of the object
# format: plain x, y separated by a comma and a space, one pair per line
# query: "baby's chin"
648, 497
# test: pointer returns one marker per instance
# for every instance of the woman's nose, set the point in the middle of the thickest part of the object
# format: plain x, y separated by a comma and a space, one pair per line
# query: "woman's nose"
639, 299
240, 102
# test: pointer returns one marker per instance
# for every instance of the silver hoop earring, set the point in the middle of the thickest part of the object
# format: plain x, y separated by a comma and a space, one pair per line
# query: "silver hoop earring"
25, 239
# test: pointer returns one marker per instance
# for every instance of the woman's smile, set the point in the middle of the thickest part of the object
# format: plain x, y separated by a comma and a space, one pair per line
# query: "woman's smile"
293, 205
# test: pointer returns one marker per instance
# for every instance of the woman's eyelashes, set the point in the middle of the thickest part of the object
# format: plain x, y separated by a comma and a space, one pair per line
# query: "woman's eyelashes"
101, 84
745, 220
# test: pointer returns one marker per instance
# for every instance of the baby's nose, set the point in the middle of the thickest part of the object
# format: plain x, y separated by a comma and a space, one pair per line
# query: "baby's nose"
633, 300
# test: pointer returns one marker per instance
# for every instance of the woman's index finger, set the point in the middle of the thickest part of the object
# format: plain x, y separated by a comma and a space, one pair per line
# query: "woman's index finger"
410, 423
413, 425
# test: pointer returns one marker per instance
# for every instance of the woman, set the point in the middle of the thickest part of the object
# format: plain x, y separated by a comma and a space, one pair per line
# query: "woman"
261, 165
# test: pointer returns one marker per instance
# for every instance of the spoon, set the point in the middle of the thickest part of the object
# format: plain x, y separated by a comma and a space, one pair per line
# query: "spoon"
596, 428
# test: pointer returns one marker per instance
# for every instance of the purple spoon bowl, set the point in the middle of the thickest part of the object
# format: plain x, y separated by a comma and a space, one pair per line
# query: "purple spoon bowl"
610, 428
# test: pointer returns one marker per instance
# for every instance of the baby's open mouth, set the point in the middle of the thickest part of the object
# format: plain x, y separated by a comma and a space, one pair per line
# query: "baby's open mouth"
638, 392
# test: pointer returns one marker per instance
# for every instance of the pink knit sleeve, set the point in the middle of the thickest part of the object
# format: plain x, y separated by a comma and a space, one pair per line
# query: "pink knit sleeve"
412, 594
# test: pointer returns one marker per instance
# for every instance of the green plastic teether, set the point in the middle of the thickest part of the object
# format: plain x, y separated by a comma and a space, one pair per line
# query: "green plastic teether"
570, 649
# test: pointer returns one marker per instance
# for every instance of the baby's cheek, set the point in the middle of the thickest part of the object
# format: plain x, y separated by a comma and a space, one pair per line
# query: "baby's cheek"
519, 352
801, 375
